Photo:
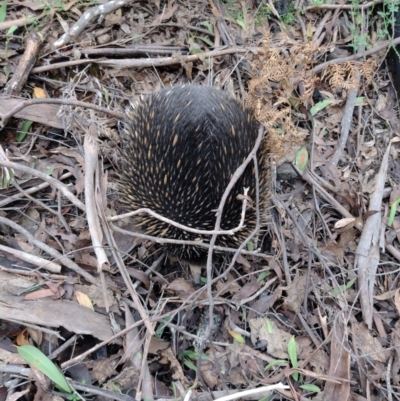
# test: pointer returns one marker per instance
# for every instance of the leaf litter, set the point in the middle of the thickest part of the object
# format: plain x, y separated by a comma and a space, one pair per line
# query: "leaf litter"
326, 275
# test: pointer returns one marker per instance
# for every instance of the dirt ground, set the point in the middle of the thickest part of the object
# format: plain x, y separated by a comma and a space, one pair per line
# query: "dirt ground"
310, 311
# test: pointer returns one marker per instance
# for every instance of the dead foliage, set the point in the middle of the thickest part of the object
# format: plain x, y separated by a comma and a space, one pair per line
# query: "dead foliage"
312, 314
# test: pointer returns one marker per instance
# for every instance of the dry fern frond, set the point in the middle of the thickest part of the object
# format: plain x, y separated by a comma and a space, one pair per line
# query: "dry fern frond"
368, 69
272, 90
342, 76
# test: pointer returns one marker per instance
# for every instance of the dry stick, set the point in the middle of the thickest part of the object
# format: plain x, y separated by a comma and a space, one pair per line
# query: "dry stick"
356, 56
314, 181
24, 21
280, 236
143, 63
35, 260
178, 225
25, 64
87, 17
65, 102
91, 158
226, 37
388, 379
82, 356
52, 181
344, 6
66, 344
121, 266
254, 391
133, 50
183, 227
321, 27
52, 252
45, 207
103, 393
367, 253
31, 190
239, 171
138, 356
256, 228
346, 124
183, 26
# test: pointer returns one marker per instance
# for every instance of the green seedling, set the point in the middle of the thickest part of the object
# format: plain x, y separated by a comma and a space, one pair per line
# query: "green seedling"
40, 361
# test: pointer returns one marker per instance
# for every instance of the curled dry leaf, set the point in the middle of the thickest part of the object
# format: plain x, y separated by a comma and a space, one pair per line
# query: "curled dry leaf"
345, 222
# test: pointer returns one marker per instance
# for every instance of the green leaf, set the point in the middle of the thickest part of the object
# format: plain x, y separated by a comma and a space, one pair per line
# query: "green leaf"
342, 288
301, 160
359, 100
162, 326
11, 30
189, 364
3, 9
262, 276
292, 351
269, 326
7, 179
194, 355
311, 387
207, 25
393, 209
250, 246
49, 171
276, 362
25, 129
190, 354
37, 359
240, 22
194, 48
206, 40
236, 336
320, 106
106, 95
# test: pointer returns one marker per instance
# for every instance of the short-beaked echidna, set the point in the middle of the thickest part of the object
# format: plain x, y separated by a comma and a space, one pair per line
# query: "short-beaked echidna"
180, 150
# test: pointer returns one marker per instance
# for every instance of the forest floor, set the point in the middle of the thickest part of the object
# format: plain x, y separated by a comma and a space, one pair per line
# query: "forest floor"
312, 313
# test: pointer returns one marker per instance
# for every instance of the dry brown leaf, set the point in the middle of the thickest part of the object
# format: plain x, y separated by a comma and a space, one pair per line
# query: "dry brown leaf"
38, 93
344, 222
84, 300
39, 294
397, 300
295, 293
368, 344
277, 340
247, 290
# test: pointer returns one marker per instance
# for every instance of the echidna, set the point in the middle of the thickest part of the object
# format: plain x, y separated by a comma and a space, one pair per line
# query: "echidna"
180, 149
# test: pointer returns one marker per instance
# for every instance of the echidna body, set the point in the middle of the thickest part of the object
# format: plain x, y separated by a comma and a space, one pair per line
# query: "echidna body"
180, 151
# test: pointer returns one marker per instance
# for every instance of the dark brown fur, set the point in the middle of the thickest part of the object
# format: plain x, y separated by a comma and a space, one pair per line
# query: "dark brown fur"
180, 150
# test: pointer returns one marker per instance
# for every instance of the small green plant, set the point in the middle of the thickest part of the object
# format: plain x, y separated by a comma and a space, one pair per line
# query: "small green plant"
9, 34
289, 18
393, 210
161, 327
342, 288
190, 357
24, 131
360, 40
292, 352
262, 15
317, 2
3, 9
389, 9
301, 160
37, 359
